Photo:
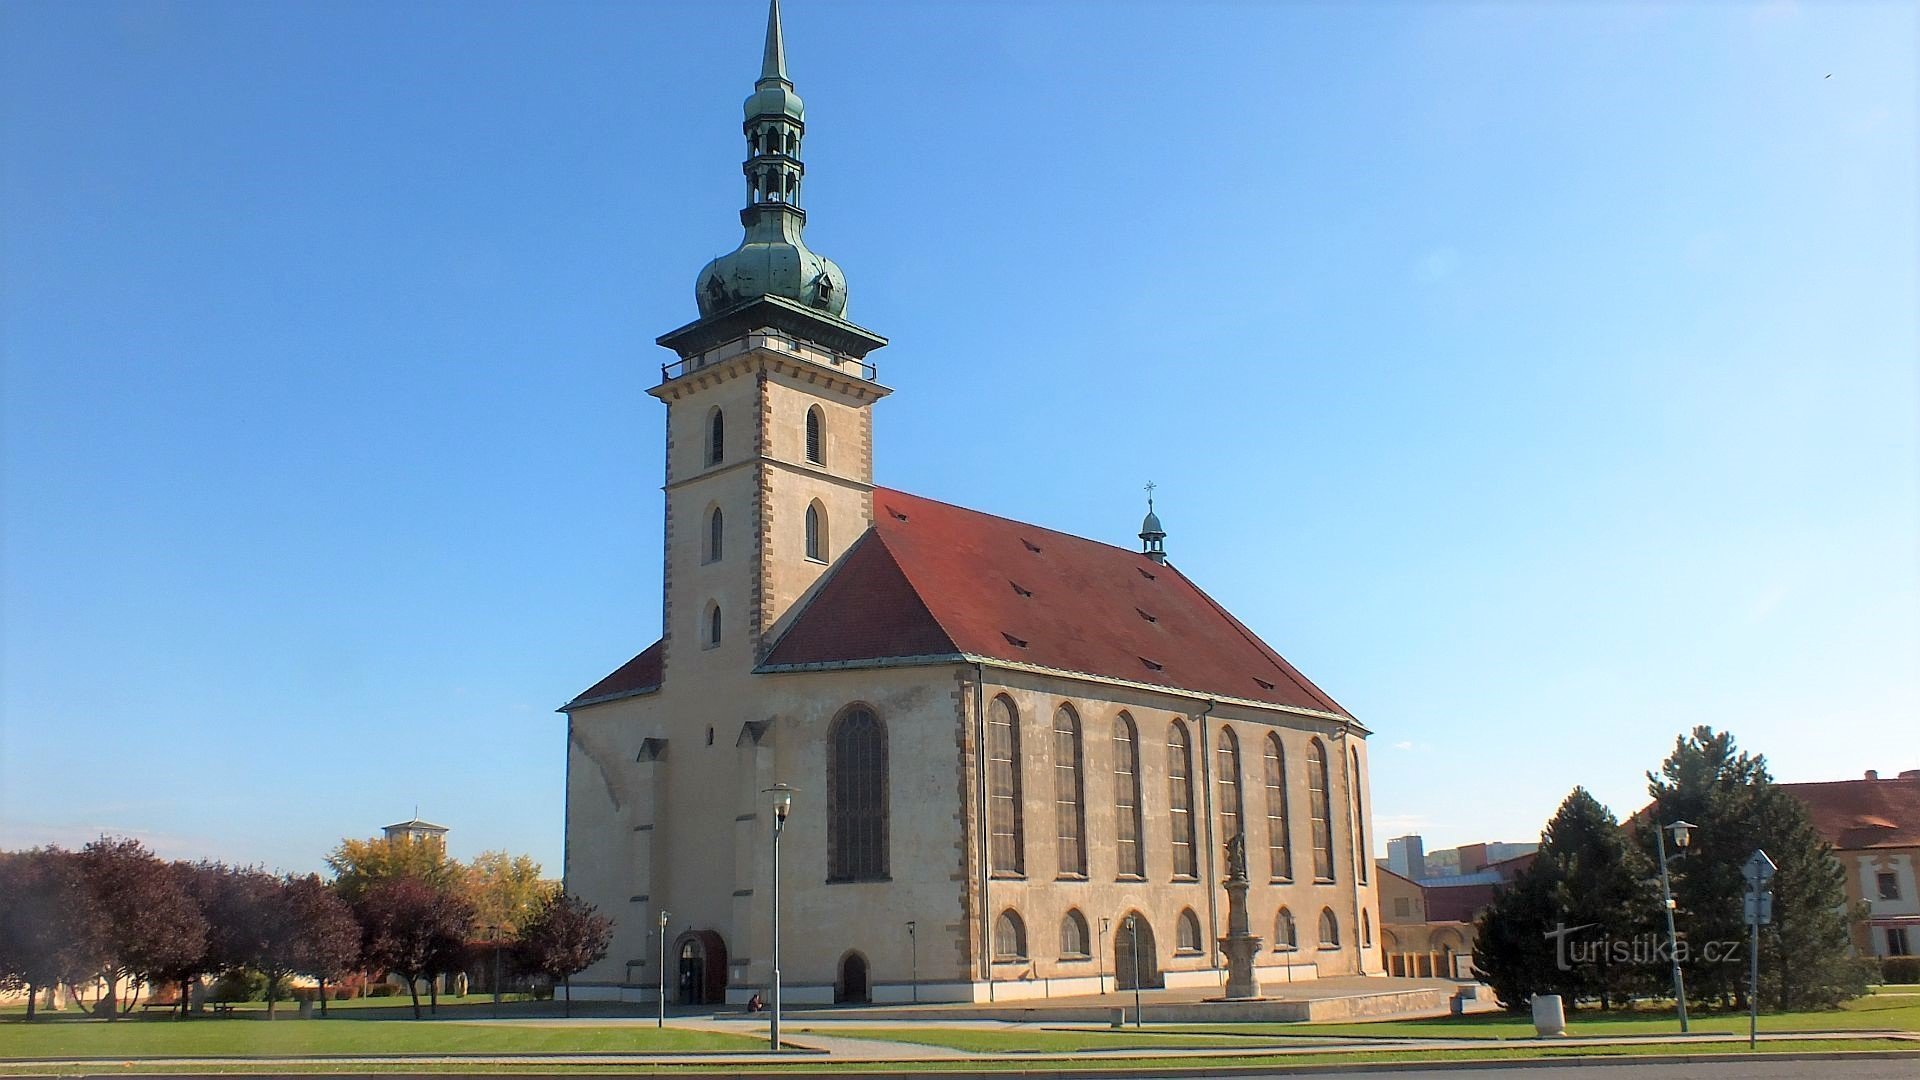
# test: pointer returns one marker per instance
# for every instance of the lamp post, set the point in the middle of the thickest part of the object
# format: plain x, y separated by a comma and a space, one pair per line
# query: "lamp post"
913, 951
1101, 963
782, 806
1682, 835
493, 935
1133, 928
662, 1002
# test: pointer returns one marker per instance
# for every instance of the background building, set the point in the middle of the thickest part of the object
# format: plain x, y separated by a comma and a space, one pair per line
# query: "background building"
1874, 826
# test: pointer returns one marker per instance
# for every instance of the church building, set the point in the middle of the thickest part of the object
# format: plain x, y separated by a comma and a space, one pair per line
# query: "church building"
1020, 755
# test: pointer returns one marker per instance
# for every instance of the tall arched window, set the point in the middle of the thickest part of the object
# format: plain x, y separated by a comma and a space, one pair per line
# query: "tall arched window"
714, 533
1187, 937
1329, 929
1070, 826
1009, 938
1006, 842
816, 533
1285, 937
1279, 840
1321, 807
716, 437
857, 796
816, 436
1073, 937
1360, 856
1126, 798
1180, 799
713, 625
1227, 763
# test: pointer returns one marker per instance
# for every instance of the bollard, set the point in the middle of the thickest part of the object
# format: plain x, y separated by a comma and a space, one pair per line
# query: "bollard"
306, 1008
1549, 1018
1119, 1019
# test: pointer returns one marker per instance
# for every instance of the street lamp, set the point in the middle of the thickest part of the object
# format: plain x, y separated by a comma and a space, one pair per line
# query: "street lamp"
913, 950
662, 1002
1133, 928
782, 806
1682, 835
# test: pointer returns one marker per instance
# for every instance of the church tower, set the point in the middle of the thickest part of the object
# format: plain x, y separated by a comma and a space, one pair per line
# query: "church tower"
769, 426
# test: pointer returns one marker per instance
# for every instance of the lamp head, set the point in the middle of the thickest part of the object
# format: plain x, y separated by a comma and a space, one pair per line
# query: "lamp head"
1682, 833
782, 801
664, 916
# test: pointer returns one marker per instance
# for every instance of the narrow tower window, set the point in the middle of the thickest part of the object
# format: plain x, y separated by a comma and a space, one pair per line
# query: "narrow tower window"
1180, 800
1006, 842
1126, 797
717, 438
816, 533
713, 625
1320, 805
1069, 820
714, 531
816, 437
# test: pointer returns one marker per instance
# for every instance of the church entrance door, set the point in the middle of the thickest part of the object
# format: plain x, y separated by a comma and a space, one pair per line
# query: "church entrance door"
853, 980
702, 976
1123, 967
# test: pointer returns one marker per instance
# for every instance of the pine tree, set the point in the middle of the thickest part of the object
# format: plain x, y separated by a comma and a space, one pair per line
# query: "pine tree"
1513, 951
1601, 882
1805, 955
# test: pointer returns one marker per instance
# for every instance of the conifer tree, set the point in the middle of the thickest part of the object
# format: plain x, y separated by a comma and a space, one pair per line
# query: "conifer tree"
1512, 950
1601, 883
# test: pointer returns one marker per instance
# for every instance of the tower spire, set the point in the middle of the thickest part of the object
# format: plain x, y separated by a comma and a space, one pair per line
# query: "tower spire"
1152, 536
773, 62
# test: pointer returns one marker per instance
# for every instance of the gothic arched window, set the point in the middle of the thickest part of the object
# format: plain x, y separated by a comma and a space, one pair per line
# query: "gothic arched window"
1320, 798
1126, 798
1329, 929
857, 796
816, 533
713, 624
1360, 856
1227, 765
1009, 938
1285, 937
1070, 827
1187, 939
816, 436
1279, 840
714, 532
716, 437
1366, 929
1180, 799
1006, 836
1073, 937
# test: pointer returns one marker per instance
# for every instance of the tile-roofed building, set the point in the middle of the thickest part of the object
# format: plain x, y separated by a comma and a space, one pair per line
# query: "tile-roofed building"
1873, 824
1012, 738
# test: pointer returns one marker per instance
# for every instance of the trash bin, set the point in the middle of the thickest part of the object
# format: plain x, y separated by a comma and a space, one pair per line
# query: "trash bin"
1549, 1017
306, 1008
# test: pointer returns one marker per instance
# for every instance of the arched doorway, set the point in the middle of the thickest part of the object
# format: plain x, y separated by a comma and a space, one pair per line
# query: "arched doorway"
702, 972
1123, 955
852, 984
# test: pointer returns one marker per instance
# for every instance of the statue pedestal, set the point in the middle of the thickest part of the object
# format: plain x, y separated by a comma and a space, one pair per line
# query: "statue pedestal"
1239, 945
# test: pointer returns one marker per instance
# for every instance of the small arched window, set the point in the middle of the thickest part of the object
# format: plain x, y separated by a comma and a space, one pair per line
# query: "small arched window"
1366, 929
1279, 841
1073, 937
857, 796
1180, 799
1187, 939
1069, 816
816, 436
716, 437
1009, 938
1285, 937
1006, 834
1329, 929
1126, 798
1227, 765
1320, 799
1360, 856
713, 625
715, 531
816, 533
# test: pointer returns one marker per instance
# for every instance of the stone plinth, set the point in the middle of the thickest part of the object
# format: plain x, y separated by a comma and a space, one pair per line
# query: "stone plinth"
1239, 945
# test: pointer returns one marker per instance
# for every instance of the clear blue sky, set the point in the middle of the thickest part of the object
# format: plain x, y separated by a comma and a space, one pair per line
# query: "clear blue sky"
1539, 379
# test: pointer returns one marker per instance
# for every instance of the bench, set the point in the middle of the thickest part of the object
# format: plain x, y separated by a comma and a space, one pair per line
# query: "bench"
222, 1008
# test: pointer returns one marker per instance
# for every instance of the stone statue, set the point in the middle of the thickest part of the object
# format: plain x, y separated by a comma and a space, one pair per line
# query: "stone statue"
1237, 857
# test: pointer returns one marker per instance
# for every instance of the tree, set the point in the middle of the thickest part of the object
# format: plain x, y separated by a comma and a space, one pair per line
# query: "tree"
151, 926
1733, 800
505, 889
1601, 882
358, 864
331, 943
1513, 950
563, 935
50, 932
412, 929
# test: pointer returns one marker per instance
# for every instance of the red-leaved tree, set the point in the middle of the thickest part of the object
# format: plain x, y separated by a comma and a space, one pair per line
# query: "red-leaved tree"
563, 935
50, 932
151, 926
412, 929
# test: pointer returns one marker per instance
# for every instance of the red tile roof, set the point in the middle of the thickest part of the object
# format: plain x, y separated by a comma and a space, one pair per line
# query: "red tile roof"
931, 579
1858, 814
637, 676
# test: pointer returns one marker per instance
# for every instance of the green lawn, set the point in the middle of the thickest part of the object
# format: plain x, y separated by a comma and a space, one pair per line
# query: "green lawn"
1890, 1012
155, 1036
1019, 1040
